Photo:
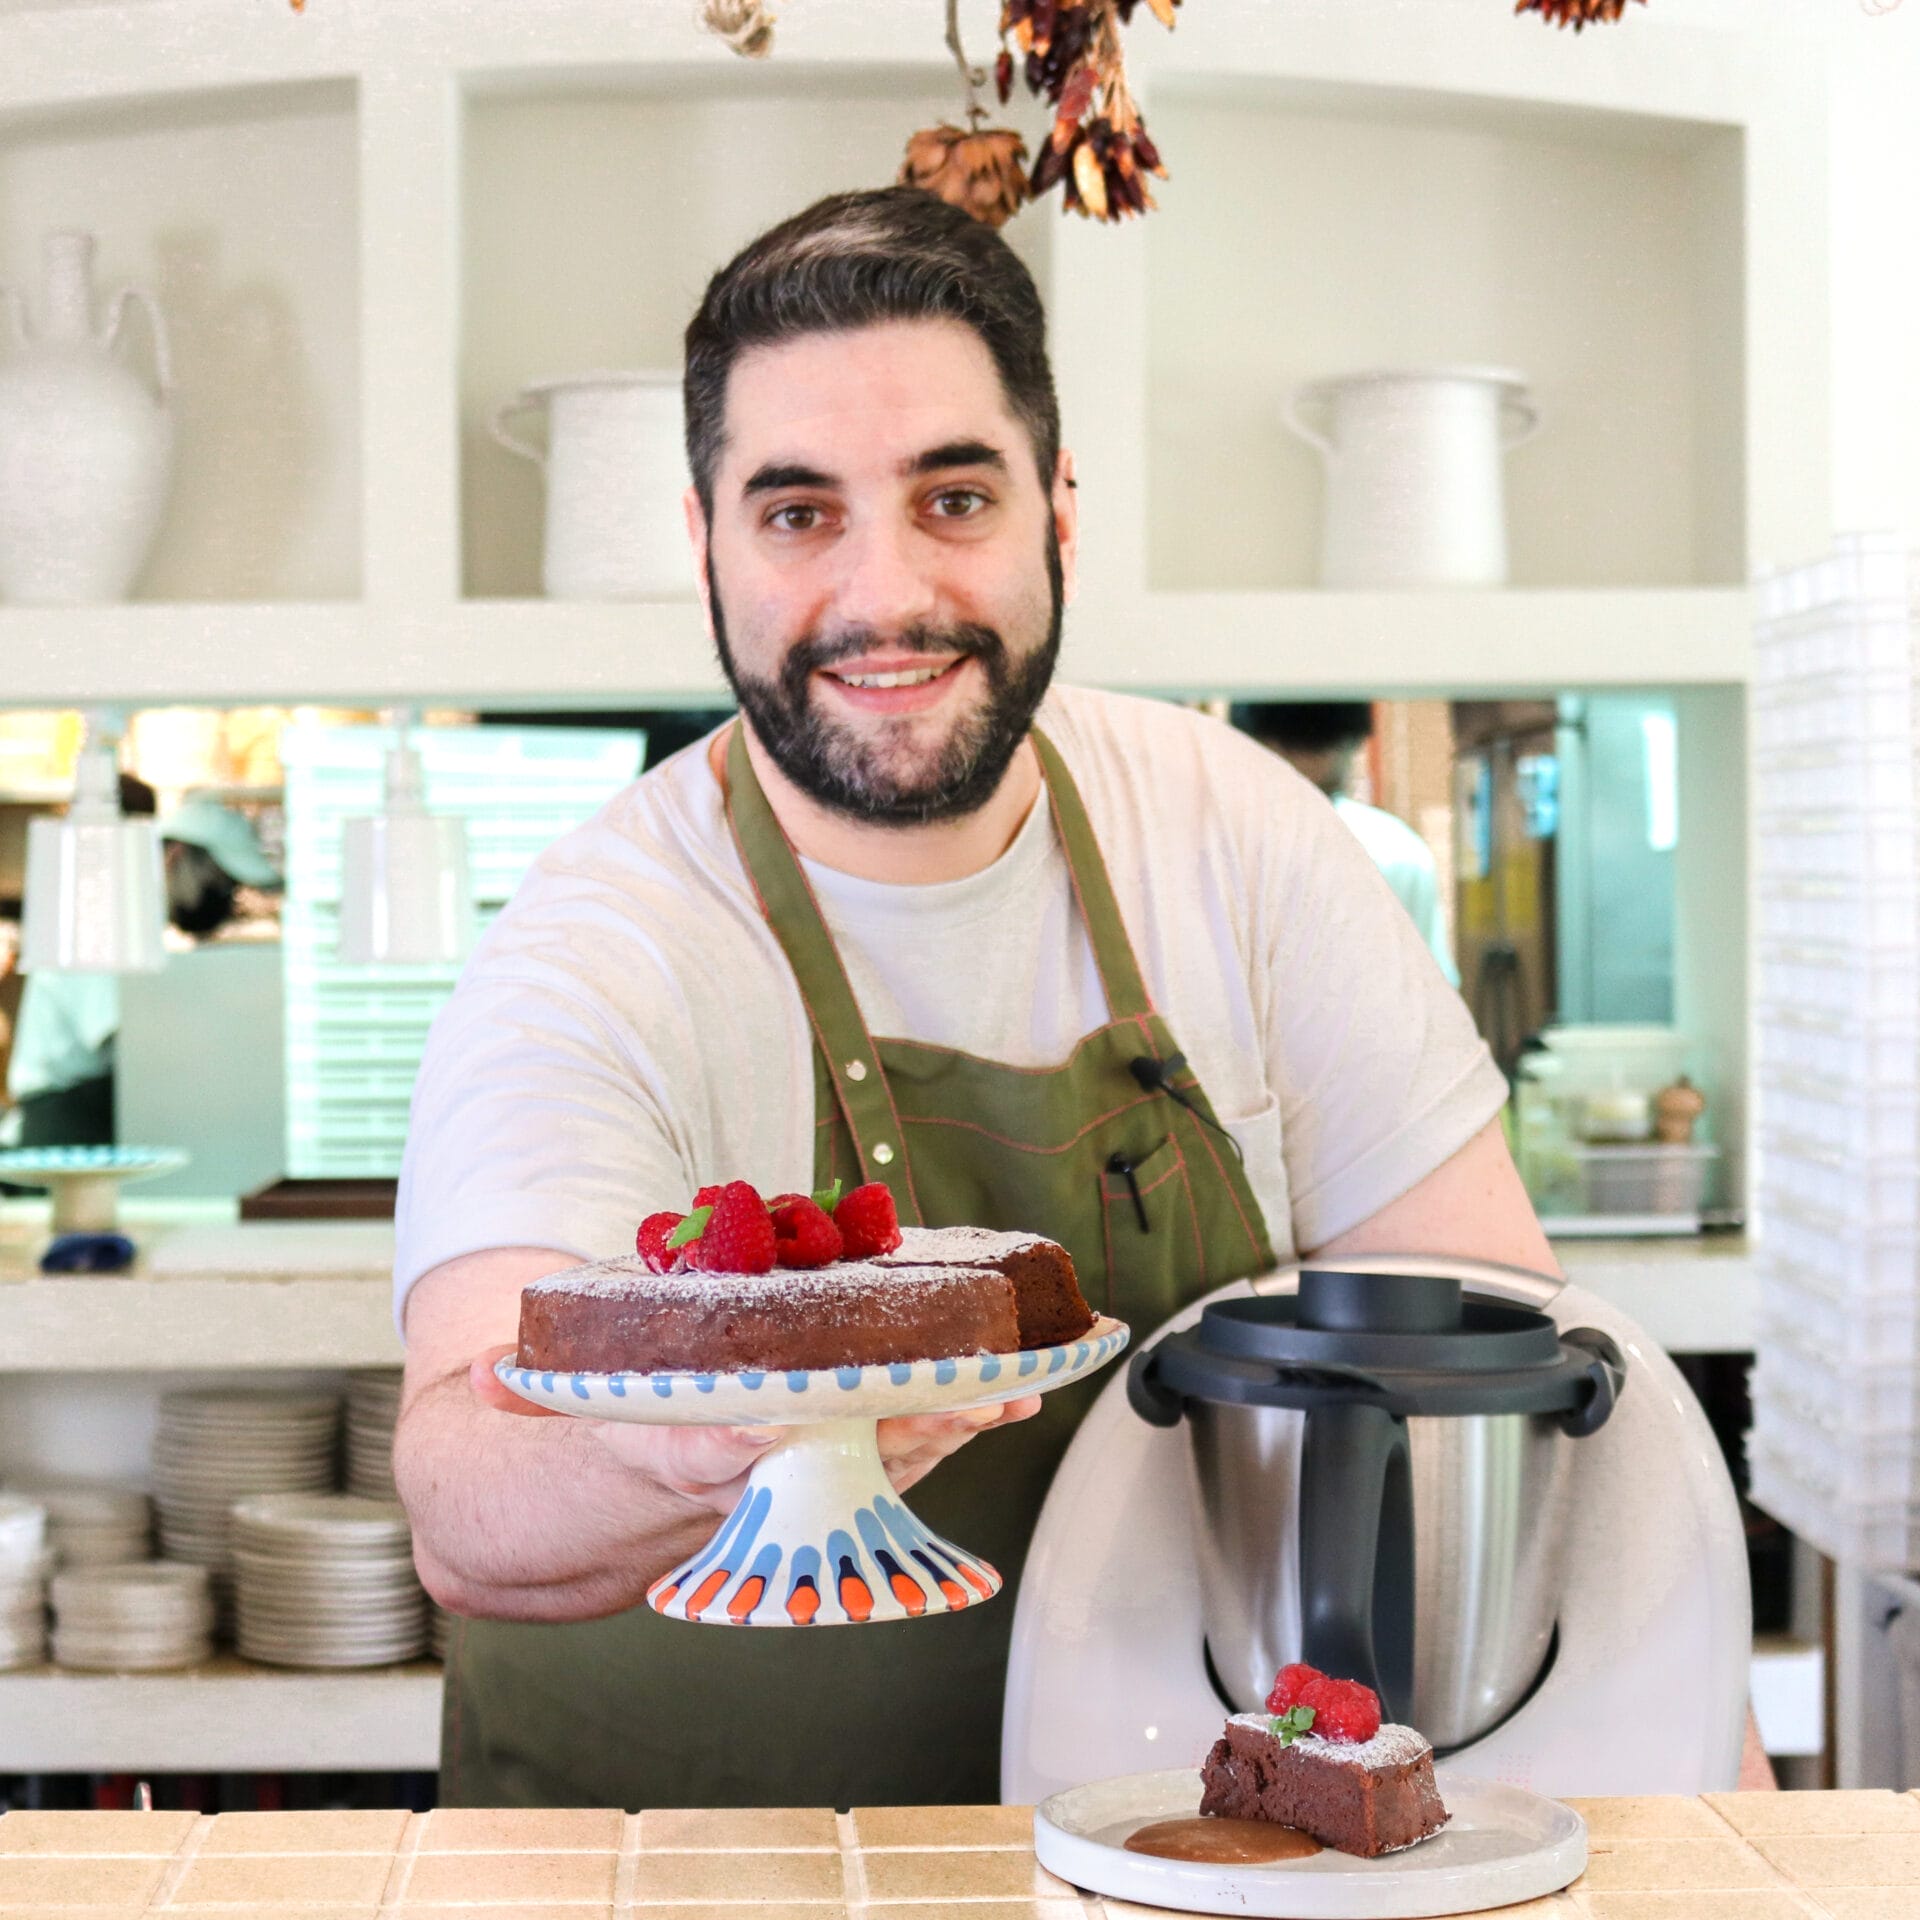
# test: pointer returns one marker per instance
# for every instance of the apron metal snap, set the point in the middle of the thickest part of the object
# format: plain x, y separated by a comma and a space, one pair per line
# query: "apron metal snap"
883, 1155
856, 1069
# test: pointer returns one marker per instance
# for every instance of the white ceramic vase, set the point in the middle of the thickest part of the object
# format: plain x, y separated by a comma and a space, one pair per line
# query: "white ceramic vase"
1413, 473
616, 469
86, 448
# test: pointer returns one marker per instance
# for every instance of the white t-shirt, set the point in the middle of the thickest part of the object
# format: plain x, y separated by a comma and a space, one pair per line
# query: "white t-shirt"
629, 1028
1408, 863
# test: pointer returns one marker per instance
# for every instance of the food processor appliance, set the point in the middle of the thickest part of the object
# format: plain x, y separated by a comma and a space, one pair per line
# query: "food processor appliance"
1488, 1494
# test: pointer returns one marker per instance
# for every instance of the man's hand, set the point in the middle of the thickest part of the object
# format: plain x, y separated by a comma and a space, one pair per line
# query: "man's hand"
709, 1465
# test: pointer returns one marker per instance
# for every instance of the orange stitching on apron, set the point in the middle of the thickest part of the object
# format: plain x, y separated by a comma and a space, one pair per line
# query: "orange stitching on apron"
1004, 1066
1079, 900
1253, 1239
1025, 1146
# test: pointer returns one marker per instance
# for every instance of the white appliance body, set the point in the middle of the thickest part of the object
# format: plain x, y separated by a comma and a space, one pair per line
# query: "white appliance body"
1647, 1692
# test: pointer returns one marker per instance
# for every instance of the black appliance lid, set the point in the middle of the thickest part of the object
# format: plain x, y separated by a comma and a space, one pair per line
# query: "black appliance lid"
1410, 1344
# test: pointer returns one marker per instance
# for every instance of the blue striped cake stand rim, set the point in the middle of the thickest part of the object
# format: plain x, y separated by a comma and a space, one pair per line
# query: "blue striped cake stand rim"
781, 1398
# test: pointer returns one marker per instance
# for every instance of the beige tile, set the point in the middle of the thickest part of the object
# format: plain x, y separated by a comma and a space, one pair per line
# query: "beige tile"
293, 1910
958, 1874
738, 1830
1857, 1811
925, 1827
1865, 1903
731, 1910
132, 1834
743, 1877
335, 1830
522, 1830
1673, 1866
99, 1881
1669, 1816
260, 1879
509, 1879
411, 1912
1752, 1904
980, 1910
1859, 1860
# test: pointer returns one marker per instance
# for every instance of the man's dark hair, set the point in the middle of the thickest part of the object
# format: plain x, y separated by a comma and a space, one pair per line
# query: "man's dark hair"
856, 260
1308, 726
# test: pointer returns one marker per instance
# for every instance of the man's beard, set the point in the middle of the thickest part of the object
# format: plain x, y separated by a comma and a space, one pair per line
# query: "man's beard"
837, 767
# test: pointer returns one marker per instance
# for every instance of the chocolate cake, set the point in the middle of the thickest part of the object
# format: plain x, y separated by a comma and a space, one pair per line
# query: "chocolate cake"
1046, 1291
1366, 1797
619, 1316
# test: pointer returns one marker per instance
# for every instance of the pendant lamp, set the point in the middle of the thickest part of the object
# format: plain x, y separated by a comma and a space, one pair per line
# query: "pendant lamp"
95, 899
406, 898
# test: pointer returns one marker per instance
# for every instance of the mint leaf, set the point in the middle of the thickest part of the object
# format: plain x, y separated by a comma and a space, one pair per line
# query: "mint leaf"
1289, 1726
689, 1229
827, 1198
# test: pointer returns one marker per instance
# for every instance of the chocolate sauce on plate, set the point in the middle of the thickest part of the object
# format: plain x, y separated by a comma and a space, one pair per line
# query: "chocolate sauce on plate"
1220, 1842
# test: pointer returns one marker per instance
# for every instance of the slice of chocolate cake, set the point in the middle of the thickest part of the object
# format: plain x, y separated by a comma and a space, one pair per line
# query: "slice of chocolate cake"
1046, 1292
1366, 1797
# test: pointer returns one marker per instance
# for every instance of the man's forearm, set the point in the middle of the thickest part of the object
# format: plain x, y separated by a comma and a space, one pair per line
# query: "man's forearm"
523, 1519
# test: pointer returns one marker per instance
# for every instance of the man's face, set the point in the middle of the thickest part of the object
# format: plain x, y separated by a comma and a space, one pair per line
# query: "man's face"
884, 571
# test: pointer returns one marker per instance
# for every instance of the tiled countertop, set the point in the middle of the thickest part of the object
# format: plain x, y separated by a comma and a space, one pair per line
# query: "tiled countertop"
1762, 1856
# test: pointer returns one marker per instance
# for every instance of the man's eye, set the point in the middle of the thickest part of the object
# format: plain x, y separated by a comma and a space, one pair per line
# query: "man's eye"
958, 503
798, 518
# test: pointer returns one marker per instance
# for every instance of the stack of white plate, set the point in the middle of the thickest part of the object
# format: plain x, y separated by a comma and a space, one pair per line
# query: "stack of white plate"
326, 1580
439, 1629
373, 1405
24, 1565
94, 1526
214, 1448
133, 1619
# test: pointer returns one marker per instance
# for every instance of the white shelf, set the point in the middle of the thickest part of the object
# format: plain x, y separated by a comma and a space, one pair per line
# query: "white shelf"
586, 654
226, 1717
264, 1295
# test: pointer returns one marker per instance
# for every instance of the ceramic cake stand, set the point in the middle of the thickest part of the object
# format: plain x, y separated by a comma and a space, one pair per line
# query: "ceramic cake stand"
85, 1182
819, 1537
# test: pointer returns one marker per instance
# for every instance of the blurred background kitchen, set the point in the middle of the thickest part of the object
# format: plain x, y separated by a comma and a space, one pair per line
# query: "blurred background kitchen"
1509, 423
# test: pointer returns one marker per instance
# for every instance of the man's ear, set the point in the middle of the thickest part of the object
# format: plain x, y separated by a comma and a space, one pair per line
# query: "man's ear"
1066, 522
697, 535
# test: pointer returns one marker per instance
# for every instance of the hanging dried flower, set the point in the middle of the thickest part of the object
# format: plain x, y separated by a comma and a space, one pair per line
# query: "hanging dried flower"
1097, 151
984, 172
1574, 13
745, 25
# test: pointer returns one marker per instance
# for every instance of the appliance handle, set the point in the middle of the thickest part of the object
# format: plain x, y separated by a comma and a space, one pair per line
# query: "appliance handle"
1607, 1371
1147, 1393
1356, 1550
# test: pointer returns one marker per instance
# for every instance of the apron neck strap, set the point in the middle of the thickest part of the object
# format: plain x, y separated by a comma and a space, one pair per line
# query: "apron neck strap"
1120, 977
852, 1060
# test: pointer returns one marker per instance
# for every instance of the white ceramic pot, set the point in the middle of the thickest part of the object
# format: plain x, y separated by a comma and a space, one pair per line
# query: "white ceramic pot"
86, 450
1413, 470
616, 470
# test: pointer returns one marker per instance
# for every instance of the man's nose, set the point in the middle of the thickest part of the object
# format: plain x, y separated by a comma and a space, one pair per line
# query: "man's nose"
888, 579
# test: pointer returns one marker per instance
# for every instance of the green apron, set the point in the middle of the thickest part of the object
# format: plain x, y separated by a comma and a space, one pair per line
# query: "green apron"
636, 1711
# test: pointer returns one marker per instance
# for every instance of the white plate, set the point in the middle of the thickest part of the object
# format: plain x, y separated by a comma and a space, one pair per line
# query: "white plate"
754, 1398
1502, 1845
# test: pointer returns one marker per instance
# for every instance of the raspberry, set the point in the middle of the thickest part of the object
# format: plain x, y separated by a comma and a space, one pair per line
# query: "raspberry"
739, 1234
868, 1222
707, 1197
1342, 1709
650, 1243
805, 1236
1288, 1686
780, 1200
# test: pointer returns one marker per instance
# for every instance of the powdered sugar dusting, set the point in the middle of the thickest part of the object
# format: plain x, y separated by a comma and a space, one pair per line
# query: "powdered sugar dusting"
630, 1278
1392, 1746
956, 1246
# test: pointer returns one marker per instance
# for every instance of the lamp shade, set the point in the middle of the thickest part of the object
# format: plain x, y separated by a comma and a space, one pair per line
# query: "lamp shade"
95, 899
405, 894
